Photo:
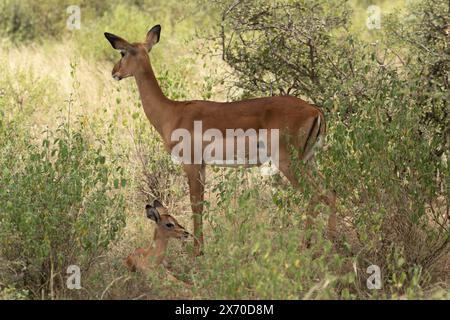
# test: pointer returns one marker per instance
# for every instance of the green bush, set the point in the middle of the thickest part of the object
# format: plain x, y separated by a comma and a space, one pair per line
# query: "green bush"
60, 206
254, 249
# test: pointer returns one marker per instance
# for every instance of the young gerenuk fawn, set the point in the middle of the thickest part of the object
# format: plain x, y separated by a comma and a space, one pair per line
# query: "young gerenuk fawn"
167, 227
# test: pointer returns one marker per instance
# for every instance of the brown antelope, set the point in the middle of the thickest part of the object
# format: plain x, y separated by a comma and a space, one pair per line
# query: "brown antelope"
167, 227
301, 124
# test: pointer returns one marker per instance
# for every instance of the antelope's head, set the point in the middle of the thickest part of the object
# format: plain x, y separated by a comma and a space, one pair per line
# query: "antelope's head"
167, 225
134, 55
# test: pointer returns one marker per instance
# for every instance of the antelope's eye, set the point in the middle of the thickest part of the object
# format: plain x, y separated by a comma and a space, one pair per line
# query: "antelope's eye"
122, 53
170, 225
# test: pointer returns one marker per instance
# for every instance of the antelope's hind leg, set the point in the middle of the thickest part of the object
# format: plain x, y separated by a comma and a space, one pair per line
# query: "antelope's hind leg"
320, 194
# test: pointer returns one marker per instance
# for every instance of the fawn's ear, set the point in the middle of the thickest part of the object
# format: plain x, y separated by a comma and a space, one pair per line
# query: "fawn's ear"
152, 213
117, 42
152, 37
157, 204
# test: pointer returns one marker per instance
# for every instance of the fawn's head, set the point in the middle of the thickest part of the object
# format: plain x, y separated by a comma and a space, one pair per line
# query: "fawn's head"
167, 226
134, 55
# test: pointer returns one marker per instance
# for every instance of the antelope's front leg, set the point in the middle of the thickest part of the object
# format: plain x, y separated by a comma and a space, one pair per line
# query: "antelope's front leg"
196, 180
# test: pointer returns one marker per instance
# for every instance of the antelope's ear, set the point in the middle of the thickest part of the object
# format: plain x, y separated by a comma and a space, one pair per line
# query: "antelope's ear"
152, 37
117, 42
157, 204
152, 213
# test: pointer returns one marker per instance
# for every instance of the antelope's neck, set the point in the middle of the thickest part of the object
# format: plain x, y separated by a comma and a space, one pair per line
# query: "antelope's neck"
157, 249
156, 106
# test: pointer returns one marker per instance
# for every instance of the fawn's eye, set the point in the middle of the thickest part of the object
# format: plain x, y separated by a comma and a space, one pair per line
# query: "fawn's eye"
122, 53
170, 225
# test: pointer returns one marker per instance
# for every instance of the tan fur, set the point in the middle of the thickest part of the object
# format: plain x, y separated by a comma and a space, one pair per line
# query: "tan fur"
142, 259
